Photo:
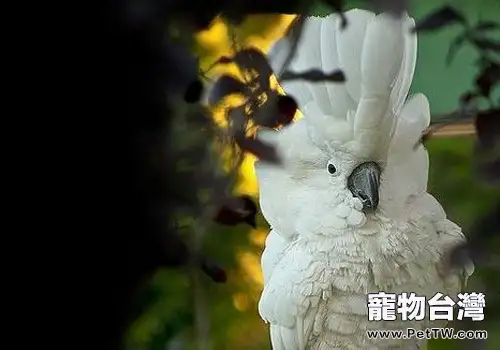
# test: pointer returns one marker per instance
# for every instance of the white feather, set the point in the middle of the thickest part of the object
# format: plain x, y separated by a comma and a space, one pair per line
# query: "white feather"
275, 246
350, 48
405, 160
381, 55
405, 76
381, 60
339, 98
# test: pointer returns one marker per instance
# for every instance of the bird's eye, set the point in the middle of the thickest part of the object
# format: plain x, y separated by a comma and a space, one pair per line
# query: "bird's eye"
331, 168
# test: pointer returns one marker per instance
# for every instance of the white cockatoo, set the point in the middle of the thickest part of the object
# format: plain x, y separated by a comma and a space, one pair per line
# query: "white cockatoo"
348, 207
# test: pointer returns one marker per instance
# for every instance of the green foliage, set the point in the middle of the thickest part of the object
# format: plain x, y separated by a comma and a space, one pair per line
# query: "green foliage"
452, 182
166, 311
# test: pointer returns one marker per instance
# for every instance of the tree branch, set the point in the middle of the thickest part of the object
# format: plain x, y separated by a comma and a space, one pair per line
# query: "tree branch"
463, 128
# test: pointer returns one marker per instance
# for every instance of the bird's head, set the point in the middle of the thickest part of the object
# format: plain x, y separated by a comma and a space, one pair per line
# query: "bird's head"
316, 190
340, 156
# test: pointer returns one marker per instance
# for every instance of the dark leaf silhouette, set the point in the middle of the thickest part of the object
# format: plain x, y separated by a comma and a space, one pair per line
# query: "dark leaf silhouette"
314, 75
483, 26
225, 60
260, 149
237, 118
214, 271
468, 97
487, 44
225, 86
221, 60
254, 59
455, 45
441, 18
267, 115
488, 128
236, 211
287, 107
251, 58
487, 78
487, 157
193, 92
278, 110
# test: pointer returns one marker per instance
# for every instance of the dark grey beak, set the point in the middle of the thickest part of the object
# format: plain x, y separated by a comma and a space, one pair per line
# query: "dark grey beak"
364, 184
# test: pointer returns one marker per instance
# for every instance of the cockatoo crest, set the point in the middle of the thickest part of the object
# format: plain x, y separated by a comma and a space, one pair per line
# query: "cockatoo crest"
377, 55
365, 117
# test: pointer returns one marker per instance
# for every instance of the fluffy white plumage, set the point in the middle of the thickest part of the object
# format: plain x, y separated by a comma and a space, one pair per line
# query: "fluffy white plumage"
324, 253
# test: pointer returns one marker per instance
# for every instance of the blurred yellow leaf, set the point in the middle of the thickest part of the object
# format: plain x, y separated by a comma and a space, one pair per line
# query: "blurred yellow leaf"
241, 301
258, 237
250, 264
258, 30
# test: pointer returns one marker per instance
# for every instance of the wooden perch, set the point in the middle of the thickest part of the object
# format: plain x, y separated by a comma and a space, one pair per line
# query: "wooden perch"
451, 130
